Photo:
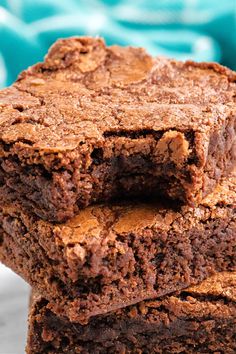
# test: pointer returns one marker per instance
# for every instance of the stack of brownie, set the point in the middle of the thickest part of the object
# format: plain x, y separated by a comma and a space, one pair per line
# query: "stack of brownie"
118, 200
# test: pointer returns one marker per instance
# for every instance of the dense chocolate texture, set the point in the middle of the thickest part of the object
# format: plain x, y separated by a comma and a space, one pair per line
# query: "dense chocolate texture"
111, 256
201, 319
93, 123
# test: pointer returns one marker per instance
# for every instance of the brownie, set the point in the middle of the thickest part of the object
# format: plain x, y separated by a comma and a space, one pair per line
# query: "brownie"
94, 123
200, 319
112, 256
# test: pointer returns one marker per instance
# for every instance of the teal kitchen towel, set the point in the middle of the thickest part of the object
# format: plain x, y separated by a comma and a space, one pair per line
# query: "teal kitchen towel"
203, 30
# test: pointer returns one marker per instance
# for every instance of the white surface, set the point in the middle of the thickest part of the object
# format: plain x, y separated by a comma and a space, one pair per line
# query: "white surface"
13, 312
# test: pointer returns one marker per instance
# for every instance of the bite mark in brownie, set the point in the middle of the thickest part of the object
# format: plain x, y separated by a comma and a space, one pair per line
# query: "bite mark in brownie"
110, 256
93, 123
200, 319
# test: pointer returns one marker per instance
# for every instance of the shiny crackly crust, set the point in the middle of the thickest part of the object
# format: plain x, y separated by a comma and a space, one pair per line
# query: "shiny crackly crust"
72, 83
80, 123
201, 318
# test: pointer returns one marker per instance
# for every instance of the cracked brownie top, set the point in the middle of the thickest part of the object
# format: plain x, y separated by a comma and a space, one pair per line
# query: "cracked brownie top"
85, 90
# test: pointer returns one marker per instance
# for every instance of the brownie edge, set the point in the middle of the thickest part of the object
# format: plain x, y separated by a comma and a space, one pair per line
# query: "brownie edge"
200, 319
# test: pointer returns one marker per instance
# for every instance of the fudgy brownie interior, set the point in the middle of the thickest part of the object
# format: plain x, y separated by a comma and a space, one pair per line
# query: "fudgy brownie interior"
111, 256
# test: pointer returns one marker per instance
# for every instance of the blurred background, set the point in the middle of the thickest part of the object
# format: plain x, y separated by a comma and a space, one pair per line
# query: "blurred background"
202, 30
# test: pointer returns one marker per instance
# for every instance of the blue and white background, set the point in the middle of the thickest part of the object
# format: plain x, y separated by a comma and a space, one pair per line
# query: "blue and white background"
203, 30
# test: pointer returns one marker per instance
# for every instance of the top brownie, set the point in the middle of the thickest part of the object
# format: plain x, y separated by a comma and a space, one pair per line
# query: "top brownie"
92, 123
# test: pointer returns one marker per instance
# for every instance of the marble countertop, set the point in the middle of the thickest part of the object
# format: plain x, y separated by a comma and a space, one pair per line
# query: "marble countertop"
14, 297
